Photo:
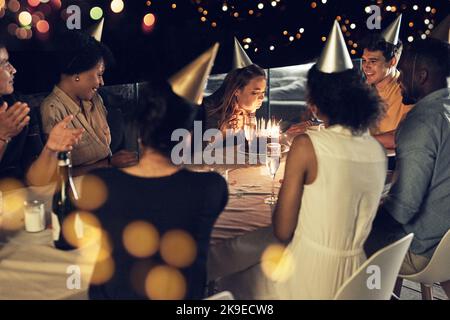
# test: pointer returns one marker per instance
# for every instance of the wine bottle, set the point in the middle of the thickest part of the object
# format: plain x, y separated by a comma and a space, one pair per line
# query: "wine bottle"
63, 206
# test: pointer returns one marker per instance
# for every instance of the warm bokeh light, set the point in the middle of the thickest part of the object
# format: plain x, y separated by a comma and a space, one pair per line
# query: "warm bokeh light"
57, 4
324, 39
165, 283
149, 19
25, 18
14, 5
31, 3
117, 6
103, 271
14, 194
96, 13
313, 5
178, 248
12, 27
42, 26
173, 6
92, 193
140, 239
277, 262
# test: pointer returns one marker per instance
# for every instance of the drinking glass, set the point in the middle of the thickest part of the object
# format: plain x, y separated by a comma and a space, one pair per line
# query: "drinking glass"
273, 156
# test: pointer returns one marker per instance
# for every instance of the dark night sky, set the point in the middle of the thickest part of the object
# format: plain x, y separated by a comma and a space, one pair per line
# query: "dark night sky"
179, 36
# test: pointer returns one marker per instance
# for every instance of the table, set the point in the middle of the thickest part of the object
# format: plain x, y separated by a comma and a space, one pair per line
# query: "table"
31, 268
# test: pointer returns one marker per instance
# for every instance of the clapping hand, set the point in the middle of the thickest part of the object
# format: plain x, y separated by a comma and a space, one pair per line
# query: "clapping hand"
13, 119
62, 138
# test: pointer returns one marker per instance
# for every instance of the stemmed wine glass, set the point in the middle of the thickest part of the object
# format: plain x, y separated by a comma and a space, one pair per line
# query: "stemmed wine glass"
273, 156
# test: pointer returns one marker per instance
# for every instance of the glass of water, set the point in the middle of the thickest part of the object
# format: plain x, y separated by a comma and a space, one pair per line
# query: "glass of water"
273, 156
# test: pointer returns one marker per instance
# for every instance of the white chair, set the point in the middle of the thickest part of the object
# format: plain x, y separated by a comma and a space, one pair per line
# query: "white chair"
375, 279
437, 270
224, 295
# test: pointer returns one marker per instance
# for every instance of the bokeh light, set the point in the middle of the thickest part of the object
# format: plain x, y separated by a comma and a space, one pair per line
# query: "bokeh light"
140, 239
25, 18
13, 215
277, 262
92, 194
42, 26
57, 4
178, 248
14, 5
32, 3
103, 271
165, 283
117, 6
149, 19
96, 13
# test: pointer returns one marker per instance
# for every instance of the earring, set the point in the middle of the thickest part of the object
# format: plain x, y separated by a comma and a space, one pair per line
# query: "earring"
77, 78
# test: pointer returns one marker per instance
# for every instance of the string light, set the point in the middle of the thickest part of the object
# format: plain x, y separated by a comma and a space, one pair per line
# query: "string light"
260, 6
415, 7
96, 13
117, 6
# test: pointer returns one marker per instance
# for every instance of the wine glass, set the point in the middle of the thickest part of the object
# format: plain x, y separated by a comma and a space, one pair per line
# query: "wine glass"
273, 156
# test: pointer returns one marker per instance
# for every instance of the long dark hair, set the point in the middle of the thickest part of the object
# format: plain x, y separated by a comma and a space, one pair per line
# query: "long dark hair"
222, 103
344, 98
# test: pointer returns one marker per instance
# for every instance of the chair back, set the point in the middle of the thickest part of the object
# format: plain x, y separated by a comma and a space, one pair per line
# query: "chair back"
375, 279
438, 269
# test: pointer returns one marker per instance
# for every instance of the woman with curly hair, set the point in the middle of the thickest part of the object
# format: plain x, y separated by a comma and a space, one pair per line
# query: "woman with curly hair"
332, 186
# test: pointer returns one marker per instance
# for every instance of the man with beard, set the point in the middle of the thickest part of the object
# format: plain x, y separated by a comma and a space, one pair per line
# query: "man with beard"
419, 199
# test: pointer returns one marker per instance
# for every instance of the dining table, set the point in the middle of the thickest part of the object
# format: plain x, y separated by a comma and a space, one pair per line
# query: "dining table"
31, 268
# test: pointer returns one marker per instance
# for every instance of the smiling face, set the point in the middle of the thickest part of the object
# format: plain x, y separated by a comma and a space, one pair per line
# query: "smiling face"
251, 97
375, 66
89, 81
7, 72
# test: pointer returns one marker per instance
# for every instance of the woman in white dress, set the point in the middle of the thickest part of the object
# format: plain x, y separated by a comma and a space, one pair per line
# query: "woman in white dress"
332, 186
